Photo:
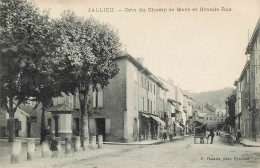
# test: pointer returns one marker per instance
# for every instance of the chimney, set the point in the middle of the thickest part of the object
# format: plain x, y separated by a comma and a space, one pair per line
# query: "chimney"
140, 60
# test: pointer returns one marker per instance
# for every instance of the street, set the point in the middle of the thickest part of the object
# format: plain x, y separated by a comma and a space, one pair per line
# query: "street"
182, 153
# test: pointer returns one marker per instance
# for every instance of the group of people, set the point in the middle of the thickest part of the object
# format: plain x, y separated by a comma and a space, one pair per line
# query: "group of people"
211, 134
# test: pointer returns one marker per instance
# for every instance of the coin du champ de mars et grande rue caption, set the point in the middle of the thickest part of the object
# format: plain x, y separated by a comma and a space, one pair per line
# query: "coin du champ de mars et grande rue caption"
162, 10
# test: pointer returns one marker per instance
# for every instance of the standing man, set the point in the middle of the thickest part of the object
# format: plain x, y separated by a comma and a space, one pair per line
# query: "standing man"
238, 137
211, 133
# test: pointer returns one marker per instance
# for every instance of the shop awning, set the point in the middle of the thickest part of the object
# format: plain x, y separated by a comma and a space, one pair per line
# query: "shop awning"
145, 115
158, 120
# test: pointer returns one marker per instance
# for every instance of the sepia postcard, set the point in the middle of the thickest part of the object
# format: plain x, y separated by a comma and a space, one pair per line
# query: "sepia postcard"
130, 83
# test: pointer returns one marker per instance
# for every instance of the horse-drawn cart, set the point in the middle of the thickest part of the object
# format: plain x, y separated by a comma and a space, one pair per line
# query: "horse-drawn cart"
200, 132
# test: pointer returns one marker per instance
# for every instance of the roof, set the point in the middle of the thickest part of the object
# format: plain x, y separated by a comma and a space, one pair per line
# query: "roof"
139, 66
61, 108
28, 109
253, 38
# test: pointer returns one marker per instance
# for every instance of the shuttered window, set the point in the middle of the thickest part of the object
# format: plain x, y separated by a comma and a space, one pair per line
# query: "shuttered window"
100, 98
94, 99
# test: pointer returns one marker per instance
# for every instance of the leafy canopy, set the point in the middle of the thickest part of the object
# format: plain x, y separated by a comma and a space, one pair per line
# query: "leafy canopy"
23, 46
87, 50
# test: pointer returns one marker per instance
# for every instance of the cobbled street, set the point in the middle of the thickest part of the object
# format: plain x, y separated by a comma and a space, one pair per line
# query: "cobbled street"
179, 154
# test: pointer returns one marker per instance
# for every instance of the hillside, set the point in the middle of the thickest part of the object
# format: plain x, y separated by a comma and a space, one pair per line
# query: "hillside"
215, 97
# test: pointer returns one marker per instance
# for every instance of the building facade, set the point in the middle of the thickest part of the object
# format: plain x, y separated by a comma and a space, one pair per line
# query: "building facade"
248, 91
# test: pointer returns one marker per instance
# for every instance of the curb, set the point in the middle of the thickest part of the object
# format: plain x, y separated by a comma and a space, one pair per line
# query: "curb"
246, 145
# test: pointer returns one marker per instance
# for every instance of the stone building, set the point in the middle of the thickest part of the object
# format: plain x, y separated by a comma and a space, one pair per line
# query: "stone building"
129, 109
253, 50
248, 91
25, 121
242, 103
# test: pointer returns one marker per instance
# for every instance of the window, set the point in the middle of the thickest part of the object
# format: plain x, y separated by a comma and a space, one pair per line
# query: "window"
98, 98
154, 107
151, 87
210, 118
143, 103
94, 98
148, 105
151, 107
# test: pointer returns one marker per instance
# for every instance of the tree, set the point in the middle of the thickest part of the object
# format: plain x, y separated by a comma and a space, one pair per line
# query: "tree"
87, 54
23, 31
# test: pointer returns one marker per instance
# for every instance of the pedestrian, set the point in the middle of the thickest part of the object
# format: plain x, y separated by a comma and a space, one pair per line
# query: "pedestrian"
211, 134
238, 136
164, 136
161, 134
48, 133
53, 147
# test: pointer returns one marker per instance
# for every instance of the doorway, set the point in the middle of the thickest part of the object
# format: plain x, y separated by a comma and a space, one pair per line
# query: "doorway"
135, 130
28, 129
100, 122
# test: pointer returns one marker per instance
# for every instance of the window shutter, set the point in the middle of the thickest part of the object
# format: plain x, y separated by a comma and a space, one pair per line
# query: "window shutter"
107, 126
94, 99
100, 98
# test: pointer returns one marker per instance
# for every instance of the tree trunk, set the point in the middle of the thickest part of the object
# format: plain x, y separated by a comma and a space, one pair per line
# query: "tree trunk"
11, 126
84, 123
11, 123
84, 133
43, 129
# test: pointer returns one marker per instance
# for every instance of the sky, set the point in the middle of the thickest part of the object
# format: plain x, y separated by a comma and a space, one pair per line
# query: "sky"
200, 50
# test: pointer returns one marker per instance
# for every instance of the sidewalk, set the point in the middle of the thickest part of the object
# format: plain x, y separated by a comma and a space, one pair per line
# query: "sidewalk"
249, 143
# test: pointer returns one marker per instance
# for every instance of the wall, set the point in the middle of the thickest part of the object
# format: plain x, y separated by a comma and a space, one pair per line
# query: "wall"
132, 94
114, 105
